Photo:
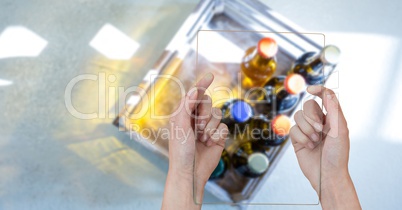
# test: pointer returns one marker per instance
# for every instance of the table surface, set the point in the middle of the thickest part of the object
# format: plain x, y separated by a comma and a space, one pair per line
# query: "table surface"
51, 159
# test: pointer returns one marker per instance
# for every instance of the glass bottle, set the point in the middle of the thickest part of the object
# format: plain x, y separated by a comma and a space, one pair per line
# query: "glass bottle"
268, 133
250, 160
280, 95
311, 65
259, 63
236, 113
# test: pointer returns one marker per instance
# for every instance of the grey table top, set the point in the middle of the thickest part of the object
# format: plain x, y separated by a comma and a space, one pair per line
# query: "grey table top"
50, 159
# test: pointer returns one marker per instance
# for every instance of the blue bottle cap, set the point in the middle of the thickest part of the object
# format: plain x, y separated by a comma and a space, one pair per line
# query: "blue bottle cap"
241, 111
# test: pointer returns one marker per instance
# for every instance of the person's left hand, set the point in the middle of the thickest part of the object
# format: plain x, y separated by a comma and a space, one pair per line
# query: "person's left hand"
197, 139
197, 136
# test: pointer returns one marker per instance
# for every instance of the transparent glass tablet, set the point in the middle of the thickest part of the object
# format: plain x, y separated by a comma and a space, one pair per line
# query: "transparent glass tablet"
280, 180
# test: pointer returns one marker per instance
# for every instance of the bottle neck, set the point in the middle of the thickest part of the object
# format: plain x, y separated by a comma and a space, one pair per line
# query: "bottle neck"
258, 60
285, 101
282, 94
315, 63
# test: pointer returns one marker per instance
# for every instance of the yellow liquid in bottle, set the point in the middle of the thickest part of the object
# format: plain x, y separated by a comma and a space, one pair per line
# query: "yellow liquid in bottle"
255, 69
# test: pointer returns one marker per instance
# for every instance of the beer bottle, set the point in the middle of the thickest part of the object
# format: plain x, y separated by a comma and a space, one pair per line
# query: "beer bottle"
222, 166
311, 65
236, 113
250, 160
259, 63
280, 95
268, 133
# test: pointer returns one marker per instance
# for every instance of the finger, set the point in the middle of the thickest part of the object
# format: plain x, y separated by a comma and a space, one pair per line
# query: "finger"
312, 112
204, 112
202, 85
183, 113
293, 137
305, 126
299, 138
190, 101
212, 125
334, 118
219, 137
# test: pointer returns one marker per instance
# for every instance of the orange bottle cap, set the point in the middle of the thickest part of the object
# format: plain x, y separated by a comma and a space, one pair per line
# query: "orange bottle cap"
294, 83
267, 47
281, 125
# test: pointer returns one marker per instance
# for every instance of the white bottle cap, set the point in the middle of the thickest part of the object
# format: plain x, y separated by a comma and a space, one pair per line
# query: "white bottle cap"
330, 54
258, 162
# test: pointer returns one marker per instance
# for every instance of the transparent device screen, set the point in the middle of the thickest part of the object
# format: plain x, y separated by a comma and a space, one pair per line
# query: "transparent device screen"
223, 52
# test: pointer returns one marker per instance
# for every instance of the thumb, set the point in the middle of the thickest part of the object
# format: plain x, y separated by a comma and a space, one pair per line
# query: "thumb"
181, 119
189, 103
187, 107
334, 118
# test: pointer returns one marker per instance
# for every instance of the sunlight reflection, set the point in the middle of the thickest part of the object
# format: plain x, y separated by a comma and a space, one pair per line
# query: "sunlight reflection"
216, 48
18, 41
133, 100
112, 157
151, 76
390, 130
4, 82
113, 43
363, 74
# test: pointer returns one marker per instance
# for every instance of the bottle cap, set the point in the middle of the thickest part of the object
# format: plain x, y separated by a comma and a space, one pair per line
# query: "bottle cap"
258, 162
330, 54
241, 111
267, 47
294, 84
281, 125
220, 168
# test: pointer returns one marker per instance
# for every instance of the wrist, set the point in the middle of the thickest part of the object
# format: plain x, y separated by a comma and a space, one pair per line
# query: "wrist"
189, 173
178, 173
338, 192
329, 181
185, 185
187, 179
178, 192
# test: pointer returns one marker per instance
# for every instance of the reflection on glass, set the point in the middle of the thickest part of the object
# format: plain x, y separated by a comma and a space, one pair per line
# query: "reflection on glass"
390, 128
133, 100
151, 76
18, 41
113, 43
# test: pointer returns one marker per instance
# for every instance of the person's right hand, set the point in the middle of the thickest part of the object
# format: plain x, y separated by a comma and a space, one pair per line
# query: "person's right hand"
315, 134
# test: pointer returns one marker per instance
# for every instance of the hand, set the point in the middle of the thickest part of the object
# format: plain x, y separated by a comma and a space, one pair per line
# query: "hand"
331, 168
196, 143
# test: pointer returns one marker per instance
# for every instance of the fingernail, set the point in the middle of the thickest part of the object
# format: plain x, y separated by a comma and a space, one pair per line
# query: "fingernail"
318, 126
314, 137
209, 76
310, 145
314, 88
201, 126
191, 93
